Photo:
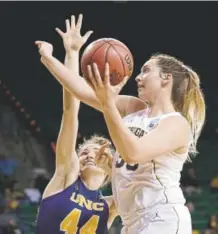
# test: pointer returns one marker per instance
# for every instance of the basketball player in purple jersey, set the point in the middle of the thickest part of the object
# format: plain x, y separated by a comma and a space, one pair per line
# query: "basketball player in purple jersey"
72, 202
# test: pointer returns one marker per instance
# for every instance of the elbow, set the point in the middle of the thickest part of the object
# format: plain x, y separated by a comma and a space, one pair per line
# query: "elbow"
137, 157
133, 157
130, 160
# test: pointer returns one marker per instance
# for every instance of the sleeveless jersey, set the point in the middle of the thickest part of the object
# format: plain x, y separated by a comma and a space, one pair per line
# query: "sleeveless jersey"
76, 210
138, 188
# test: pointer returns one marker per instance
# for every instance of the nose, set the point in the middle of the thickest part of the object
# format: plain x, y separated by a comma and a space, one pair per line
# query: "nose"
90, 157
138, 78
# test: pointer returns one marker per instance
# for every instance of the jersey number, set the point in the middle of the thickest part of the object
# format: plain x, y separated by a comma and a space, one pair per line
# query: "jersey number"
129, 167
69, 224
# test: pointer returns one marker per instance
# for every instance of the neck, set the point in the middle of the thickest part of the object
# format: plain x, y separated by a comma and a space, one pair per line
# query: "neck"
92, 182
162, 105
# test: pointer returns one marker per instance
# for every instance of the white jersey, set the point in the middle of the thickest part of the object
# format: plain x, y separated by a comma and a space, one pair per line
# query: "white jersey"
141, 187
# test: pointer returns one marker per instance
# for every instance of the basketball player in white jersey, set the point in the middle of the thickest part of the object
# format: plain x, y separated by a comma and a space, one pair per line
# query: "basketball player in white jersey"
146, 172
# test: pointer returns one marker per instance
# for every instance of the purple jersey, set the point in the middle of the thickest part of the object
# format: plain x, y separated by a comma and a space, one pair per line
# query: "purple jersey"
75, 210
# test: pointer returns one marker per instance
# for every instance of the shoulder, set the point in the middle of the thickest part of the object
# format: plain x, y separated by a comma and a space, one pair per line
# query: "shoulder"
129, 104
175, 120
176, 126
56, 187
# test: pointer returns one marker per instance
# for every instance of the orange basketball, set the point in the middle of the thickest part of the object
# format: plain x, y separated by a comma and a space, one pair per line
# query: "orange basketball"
113, 52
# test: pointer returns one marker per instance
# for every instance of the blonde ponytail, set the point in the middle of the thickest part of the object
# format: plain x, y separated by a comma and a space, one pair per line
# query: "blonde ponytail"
194, 108
187, 96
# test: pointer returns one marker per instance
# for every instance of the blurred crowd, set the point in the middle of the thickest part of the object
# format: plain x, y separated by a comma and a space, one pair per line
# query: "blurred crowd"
192, 186
13, 196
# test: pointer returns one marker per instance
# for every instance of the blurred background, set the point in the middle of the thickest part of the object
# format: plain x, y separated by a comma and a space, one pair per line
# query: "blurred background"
31, 99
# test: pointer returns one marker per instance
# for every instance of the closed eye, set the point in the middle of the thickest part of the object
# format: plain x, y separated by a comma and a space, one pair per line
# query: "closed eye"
146, 69
84, 153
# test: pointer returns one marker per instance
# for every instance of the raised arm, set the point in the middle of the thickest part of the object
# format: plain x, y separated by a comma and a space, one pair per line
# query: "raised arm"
67, 163
78, 87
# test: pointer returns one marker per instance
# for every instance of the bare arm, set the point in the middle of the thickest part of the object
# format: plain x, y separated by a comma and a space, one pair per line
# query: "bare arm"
77, 86
67, 162
171, 134
66, 156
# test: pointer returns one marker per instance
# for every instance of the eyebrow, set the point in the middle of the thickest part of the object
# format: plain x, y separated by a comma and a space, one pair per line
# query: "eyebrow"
145, 66
84, 151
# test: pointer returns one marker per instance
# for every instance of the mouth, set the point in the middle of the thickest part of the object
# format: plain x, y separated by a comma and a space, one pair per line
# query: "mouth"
89, 162
140, 86
140, 89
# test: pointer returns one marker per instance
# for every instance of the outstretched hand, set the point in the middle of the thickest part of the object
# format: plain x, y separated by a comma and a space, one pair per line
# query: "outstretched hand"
102, 87
104, 158
72, 38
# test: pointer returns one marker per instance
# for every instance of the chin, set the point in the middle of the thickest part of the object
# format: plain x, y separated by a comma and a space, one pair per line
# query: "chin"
143, 97
91, 169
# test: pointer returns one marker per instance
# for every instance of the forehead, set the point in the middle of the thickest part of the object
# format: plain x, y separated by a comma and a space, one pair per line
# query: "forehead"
90, 147
150, 63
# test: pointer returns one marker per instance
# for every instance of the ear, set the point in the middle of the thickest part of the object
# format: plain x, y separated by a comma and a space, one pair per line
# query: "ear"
166, 78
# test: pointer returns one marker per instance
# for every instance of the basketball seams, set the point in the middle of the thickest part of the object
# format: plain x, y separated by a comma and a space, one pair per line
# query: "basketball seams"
101, 54
124, 47
96, 51
124, 70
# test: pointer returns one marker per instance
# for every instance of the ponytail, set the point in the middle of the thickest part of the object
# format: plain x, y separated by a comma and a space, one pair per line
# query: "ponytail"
187, 96
194, 108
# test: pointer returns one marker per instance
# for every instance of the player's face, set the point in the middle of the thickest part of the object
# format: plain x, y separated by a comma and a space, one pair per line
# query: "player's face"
149, 81
87, 157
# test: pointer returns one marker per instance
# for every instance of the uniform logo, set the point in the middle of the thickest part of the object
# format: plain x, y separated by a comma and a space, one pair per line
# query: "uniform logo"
153, 124
88, 204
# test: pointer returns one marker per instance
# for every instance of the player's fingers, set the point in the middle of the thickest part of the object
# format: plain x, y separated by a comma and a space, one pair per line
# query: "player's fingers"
61, 33
67, 22
91, 77
79, 22
38, 43
102, 159
87, 35
98, 157
107, 74
72, 21
103, 147
97, 75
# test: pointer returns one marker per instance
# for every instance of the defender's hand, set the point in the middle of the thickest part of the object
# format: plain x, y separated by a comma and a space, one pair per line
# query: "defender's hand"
72, 38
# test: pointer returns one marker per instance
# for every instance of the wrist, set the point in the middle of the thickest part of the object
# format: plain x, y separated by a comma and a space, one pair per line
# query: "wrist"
108, 105
71, 53
46, 58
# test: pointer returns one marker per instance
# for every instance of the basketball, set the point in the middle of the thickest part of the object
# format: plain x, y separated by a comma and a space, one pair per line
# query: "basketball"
111, 51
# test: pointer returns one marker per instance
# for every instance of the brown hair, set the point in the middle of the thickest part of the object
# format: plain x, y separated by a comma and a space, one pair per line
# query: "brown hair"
187, 95
99, 140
